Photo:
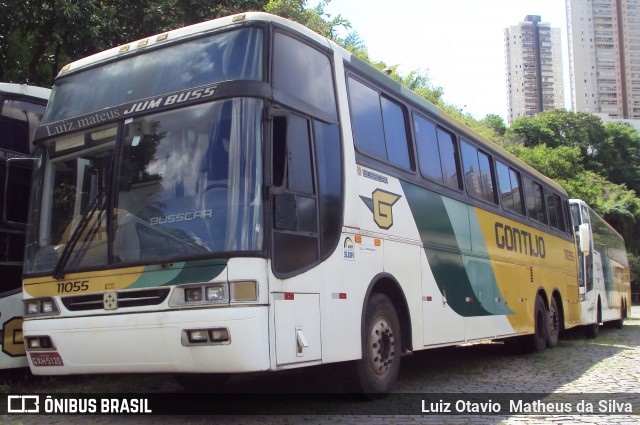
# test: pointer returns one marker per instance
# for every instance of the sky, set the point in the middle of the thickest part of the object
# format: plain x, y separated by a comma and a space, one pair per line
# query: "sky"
458, 42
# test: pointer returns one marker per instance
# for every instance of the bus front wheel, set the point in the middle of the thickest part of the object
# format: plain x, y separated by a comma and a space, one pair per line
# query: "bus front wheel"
377, 371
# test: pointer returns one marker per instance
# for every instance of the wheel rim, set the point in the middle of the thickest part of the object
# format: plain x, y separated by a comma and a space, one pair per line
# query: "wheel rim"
554, 320
540, 326
381, 346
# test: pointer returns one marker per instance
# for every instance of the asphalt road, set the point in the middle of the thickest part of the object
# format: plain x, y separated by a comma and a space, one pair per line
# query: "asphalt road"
603, 373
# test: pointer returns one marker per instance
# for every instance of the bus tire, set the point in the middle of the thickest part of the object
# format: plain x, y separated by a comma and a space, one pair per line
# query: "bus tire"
377, 371
201, 382
592, 330
554, 324
537, 341
618, 323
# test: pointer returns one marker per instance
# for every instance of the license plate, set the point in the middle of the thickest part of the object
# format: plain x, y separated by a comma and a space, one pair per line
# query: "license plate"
46, 359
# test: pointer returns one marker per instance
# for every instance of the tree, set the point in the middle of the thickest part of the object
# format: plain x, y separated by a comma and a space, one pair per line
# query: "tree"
37, 37
620, 146
496, 123
316, 19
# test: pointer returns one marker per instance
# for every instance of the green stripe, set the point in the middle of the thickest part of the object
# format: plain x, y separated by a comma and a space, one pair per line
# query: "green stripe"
180, 272
447, 229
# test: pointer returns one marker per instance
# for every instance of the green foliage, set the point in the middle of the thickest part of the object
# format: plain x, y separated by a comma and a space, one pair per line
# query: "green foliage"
316, 19
38, 37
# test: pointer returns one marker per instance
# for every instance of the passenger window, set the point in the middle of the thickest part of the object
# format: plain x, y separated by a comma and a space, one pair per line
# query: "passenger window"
534, 200
510, 194
487, 178
379, 125
554, 210
428, 151
437, 153
395, 132
449, 159
366, 118
478, 175
471, 169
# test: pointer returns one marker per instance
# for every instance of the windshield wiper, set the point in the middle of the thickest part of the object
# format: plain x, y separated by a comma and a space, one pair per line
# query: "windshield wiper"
58, 271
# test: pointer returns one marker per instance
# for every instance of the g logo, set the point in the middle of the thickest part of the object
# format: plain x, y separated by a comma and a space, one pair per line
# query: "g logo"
380, 204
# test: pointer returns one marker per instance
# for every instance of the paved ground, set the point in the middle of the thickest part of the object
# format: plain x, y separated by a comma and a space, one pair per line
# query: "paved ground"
576, 371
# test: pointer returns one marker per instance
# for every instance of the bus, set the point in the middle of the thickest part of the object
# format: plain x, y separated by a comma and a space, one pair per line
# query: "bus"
603, 270
21, 108
244, 195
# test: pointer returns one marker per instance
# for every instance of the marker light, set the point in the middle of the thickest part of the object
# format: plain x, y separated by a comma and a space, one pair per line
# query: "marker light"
193, 295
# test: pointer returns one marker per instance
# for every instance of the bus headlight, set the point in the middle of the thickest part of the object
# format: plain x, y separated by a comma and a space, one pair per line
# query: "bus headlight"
217, 293
202, 294
235, 292
40, 307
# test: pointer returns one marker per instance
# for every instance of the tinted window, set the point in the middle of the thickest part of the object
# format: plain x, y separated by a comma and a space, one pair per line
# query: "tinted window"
517, 193
471, 169
366, 118
379, 125
487, 177
509, 182
299, 166
534, 200
303, 73
329, 162
395, 133
554, 210
230, 55
428, 151
478, 177
449, 159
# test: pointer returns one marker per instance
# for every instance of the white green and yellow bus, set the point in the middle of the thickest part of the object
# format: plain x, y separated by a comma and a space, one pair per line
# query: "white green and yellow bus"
21, 108
244, 195
603, 270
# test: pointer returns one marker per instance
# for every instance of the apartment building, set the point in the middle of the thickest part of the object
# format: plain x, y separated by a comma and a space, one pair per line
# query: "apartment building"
604, 56
533, 61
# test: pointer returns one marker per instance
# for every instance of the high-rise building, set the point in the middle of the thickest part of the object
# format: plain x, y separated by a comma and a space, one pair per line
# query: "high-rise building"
533, 57
604, 55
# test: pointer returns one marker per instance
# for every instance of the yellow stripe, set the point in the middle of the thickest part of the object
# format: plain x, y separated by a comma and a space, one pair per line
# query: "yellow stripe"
83, 283
524, 259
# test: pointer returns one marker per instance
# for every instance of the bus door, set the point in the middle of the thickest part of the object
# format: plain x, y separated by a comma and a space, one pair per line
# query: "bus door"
295, 244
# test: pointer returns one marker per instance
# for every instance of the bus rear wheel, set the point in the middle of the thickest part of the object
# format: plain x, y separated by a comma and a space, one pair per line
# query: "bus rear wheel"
554, 324
592, 330
538, 340
377, 371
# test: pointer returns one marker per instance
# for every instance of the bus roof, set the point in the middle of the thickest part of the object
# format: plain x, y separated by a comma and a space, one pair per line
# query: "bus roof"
204, 27
25, 90
187, 32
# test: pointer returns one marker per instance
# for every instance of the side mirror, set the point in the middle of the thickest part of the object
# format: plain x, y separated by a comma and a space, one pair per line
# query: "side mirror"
585, 238
17, 181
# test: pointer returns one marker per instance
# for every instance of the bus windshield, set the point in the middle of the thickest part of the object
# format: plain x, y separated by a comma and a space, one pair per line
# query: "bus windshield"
230, 55
181, 183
